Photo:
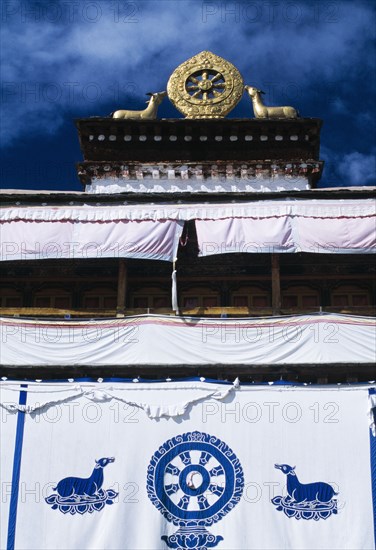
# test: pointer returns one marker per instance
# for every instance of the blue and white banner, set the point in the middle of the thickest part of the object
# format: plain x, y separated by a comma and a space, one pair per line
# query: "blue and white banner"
187, 465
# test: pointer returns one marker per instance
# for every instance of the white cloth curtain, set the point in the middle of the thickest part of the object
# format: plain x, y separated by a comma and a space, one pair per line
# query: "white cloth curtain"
39, 240
153, 231
301, 228
164, 340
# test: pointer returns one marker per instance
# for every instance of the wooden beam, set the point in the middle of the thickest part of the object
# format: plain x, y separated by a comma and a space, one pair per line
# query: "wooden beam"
344, 279
276, 285
257, 373
198, 311
55, 312
122, 288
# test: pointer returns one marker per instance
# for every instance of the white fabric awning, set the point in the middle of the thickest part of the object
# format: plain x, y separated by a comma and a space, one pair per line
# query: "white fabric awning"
152, 231
313, 208
163, 340
290, 233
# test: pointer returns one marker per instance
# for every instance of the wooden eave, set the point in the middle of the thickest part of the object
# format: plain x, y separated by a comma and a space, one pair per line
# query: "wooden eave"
333, 373
21, 197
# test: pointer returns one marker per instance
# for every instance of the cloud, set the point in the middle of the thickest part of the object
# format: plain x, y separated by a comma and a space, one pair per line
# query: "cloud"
346, 169
358, 168
53, 68
339, 106
64, 59
77, 57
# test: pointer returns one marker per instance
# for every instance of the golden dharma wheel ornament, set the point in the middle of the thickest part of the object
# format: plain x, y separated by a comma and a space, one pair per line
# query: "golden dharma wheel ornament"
205, 86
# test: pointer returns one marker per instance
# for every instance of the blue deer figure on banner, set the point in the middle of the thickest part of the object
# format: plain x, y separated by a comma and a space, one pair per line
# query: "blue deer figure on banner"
78, 494
79, 486
305, 500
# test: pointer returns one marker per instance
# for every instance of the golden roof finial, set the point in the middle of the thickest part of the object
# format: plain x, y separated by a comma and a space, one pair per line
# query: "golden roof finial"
205, 86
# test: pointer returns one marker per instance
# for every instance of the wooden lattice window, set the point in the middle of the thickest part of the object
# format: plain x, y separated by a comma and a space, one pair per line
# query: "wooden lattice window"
100, 298
151, 298
350, 296
52, 297
251, 297
10, 297
199, 297
300, 297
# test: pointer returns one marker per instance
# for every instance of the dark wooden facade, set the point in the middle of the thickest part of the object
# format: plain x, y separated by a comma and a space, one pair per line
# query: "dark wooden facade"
269, 146
230, 284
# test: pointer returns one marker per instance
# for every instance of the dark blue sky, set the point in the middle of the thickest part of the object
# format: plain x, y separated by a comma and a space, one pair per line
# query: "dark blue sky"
75, 58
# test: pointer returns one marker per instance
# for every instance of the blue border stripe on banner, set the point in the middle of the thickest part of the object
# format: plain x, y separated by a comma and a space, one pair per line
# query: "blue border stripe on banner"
373, 470
16, 471
373, 474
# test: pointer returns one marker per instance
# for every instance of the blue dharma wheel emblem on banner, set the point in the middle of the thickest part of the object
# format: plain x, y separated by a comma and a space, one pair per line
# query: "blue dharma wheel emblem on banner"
78, 495
305, 500
194, 480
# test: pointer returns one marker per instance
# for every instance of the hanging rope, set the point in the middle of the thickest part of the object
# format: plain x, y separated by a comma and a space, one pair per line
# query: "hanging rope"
174, 289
